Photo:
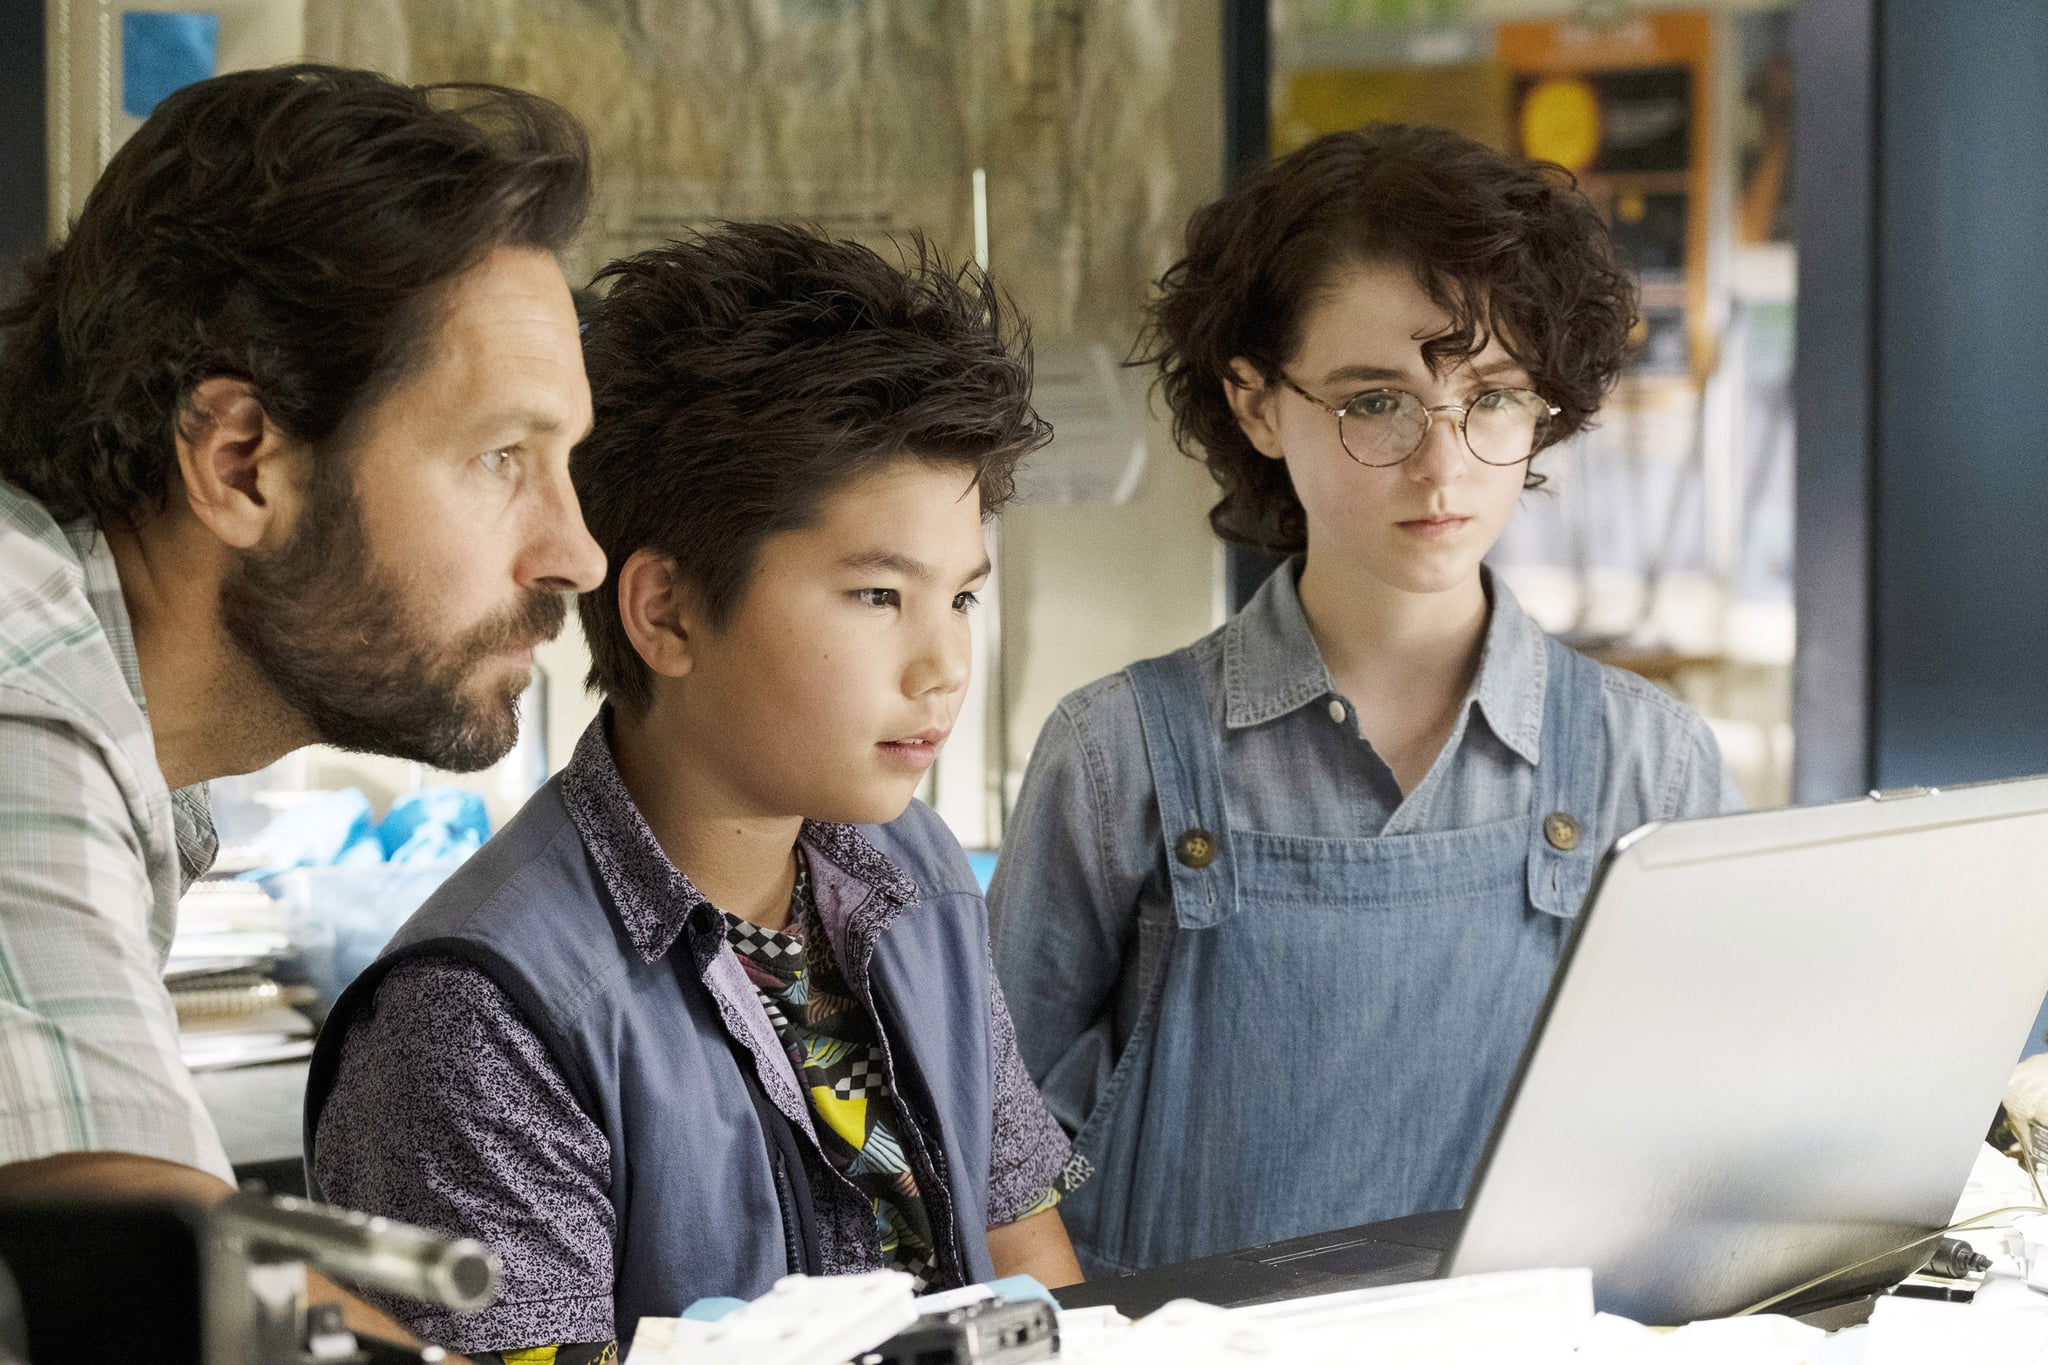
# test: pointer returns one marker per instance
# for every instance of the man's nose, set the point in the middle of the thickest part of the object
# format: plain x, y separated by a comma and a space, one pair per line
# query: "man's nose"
563, 556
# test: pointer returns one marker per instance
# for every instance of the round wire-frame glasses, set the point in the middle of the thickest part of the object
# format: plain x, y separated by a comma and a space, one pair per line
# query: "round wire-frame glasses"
1383, 427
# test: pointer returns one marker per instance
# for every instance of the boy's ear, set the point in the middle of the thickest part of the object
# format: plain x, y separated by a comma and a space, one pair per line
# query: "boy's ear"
656, 609
1252, 399
243, 477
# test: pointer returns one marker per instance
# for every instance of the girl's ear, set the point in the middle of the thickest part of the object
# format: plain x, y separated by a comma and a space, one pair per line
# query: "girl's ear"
1252, 399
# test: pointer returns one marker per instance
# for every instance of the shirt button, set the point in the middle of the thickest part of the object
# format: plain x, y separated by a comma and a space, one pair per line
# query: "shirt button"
1561, 831
1196, 848
1337, 710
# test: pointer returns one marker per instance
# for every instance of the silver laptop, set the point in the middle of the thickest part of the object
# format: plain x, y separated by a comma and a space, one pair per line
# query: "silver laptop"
1773, 1051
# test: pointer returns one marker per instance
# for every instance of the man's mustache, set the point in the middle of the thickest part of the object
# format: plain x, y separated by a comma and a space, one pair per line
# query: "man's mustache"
535, 621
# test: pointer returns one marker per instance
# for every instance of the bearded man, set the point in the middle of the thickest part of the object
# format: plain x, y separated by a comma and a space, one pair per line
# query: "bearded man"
284, 437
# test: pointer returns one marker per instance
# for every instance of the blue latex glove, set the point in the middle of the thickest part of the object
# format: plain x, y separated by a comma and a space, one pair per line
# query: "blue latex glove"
330, 829
434, 825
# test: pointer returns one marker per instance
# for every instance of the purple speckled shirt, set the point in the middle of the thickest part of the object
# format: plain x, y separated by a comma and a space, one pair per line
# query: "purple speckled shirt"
447, 1110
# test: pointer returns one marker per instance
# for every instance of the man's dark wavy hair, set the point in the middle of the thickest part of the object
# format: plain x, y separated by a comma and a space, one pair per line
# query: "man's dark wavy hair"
292, 227
1509, 249
743, 376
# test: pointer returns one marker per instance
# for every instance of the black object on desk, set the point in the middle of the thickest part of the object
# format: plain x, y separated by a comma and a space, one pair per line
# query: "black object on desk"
1396, 1251
108, 1282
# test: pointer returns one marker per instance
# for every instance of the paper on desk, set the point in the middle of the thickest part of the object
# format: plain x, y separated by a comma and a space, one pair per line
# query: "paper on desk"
1920, 1332
1761, 1340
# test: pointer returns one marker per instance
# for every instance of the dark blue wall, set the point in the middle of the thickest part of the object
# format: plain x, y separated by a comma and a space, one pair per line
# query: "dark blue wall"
25, 196
1960, 525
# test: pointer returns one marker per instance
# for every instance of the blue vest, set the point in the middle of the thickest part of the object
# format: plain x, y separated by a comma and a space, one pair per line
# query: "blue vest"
707, 1177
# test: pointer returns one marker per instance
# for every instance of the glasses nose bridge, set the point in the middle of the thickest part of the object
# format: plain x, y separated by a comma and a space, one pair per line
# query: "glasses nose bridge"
1429, 415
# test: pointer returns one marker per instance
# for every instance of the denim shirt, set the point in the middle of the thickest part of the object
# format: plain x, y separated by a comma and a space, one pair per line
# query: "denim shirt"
1085, 865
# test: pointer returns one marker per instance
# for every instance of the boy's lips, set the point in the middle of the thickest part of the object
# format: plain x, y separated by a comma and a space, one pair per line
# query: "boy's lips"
914, 752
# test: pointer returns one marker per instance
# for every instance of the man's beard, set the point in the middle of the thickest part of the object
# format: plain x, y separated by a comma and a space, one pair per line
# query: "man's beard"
342, 644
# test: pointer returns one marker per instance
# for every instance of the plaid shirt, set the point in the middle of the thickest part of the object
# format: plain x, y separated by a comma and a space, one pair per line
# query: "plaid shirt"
94, 854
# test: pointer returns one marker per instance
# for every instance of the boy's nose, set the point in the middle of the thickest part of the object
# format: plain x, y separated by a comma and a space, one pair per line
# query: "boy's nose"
943, 666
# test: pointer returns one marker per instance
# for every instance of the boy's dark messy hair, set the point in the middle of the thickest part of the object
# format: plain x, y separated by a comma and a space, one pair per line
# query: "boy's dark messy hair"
743, 376
1509, 249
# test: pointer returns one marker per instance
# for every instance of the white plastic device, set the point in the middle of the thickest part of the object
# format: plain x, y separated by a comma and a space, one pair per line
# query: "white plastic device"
804, 1320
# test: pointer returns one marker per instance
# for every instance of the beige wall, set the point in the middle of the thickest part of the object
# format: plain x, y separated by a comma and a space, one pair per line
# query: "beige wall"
1092, 588
86, 122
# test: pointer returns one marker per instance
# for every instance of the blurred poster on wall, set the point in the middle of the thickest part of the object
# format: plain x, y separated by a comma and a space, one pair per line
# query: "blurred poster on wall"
1623, 105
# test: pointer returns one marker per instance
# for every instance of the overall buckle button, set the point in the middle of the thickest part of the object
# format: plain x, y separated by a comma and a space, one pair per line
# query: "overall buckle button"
1195, 848
1561, 831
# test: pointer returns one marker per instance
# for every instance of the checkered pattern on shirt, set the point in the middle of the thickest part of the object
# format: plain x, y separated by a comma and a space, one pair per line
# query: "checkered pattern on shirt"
838, 1056
94, 852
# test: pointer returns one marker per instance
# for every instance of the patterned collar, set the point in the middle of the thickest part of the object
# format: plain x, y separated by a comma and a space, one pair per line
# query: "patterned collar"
858, 890
1271, 666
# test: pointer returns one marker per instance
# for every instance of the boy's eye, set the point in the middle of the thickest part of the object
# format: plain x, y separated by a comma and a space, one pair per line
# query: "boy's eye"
966, 601
876, 597
496, 461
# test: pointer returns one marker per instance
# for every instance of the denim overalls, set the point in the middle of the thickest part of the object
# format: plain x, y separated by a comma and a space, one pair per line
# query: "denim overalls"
1328, 1025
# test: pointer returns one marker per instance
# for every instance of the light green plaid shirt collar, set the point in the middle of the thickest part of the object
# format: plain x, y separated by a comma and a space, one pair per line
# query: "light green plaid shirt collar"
191, 812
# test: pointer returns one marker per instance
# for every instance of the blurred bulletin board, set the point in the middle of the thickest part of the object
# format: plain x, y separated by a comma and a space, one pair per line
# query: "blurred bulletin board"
1623, 105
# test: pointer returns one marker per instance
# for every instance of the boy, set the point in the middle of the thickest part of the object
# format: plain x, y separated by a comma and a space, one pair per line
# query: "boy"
717, 1005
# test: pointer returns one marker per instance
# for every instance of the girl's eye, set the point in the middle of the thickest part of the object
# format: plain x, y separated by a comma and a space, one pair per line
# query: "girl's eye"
1374, 404
1492, 401
496, 461
876, 597
966, 602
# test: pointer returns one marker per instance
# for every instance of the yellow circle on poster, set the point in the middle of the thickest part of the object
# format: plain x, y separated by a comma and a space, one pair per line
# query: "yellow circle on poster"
1561, 123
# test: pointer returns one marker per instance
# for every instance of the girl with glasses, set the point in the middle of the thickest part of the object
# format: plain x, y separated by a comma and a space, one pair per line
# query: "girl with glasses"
1276, 912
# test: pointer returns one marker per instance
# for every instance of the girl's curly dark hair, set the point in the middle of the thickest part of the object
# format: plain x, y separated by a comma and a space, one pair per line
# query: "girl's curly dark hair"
1509, 249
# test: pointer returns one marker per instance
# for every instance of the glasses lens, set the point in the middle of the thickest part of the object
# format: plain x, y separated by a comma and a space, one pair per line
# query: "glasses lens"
1504, 426
1382, 427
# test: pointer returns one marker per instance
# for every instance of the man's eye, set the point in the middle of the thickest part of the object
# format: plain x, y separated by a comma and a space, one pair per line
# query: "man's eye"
496, 461
876, 597
966, 601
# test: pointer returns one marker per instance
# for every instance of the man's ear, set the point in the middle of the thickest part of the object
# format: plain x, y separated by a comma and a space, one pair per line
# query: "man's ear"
658, 611
244, 478
1252, 399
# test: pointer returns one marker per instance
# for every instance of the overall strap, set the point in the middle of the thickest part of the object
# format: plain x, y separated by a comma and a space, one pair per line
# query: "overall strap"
1565, 847
1183, 752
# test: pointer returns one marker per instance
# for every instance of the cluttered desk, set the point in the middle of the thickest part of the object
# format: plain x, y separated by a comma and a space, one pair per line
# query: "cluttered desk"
1994, 1307
1733, 1111
1733, 1116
